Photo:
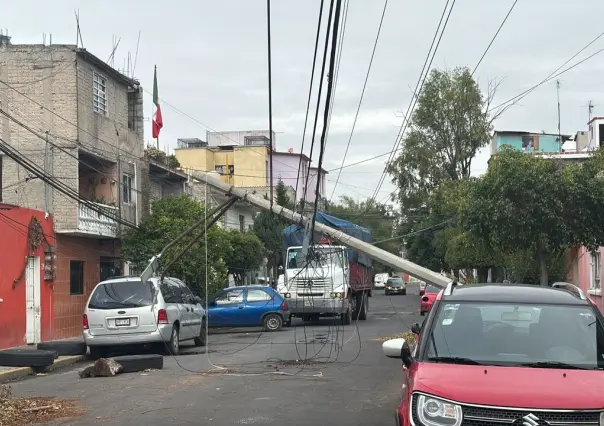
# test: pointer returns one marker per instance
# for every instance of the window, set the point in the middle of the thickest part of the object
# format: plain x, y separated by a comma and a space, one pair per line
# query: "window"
596, 266
171, 291
230, 297
258, 296
76, 277
241, 223
99, 94
127, 189
121, 295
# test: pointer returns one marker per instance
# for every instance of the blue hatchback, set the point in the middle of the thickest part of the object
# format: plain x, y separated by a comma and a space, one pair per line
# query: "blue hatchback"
248, 306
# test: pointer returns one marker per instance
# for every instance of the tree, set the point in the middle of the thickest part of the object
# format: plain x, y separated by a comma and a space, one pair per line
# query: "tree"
246, 254
450, 124
518, 204
170, 217
269, 228
381, 219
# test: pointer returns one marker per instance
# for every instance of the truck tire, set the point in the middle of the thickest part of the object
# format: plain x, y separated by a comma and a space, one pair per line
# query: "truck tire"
134, 363
27, 358
64, 347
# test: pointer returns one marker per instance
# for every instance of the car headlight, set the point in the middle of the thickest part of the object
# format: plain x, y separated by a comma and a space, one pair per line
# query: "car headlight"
602, 418
436, 412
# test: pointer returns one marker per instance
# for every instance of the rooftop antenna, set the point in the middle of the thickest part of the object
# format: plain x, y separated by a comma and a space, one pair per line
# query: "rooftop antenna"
79, 41
590, 108
559, 131
136, 54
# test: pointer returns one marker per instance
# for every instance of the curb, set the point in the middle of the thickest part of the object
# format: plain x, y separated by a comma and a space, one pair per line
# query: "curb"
21, 372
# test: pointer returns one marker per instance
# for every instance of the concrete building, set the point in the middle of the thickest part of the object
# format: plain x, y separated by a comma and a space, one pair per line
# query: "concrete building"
81, 122
528, 141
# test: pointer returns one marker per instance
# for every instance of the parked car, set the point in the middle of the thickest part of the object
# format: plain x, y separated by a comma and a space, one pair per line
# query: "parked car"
428, 298
395, 285
422, 288
125, 311
249, 306
379, 281
526, 355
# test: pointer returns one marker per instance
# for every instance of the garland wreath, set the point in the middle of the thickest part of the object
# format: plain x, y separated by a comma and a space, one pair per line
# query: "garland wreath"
35, 237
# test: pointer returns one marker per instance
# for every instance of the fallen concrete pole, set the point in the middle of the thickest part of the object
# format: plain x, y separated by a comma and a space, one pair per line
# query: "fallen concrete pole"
382, 256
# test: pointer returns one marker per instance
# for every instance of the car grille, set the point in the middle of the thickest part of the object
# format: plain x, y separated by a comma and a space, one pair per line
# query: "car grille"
495, 416
317, 283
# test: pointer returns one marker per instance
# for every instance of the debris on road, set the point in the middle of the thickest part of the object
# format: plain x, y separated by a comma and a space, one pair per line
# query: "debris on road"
408, 336
102, 367
26, 411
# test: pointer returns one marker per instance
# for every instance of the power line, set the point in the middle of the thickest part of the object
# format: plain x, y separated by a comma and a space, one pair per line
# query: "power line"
312, 76
270, 96
356, 116
494, 37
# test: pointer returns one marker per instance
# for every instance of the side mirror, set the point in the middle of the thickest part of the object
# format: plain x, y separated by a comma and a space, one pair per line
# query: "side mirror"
415, 328
398, 348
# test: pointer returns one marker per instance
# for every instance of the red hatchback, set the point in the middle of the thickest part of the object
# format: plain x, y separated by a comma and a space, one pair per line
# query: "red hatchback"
513, 354
428, 299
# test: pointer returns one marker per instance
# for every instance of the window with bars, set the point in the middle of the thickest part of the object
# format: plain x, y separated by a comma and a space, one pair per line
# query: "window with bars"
127, 189
596, 266
99, 93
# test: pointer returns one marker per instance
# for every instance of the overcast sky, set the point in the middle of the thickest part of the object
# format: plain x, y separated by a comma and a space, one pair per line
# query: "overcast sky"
212, 64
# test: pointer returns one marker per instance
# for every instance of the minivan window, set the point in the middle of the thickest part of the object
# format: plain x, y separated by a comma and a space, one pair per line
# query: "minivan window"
122, 294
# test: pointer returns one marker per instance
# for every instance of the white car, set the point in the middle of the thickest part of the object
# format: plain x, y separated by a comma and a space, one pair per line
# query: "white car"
380, 280
126, 311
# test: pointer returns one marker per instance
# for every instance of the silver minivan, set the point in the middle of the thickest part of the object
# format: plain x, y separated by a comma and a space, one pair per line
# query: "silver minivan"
125, 311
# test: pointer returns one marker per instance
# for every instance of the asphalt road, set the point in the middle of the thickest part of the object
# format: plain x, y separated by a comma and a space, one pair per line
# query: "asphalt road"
250, 377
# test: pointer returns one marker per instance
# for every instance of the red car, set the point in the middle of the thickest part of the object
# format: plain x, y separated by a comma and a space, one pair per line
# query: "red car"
428, 298
504, 354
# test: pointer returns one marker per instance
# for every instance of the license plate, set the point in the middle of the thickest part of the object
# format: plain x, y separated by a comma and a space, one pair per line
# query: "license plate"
309, 303
122, 322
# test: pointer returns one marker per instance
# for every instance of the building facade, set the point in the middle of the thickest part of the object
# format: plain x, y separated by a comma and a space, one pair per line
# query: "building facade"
528, 141
80, 123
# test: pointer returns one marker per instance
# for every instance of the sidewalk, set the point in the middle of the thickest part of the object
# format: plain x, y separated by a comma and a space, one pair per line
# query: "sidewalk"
12, 373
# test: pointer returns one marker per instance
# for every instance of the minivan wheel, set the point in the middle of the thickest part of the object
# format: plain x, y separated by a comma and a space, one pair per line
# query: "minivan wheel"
174, 343
272, 322
203, 335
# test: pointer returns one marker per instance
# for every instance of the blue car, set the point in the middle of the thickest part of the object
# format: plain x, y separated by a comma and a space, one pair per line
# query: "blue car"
248, 306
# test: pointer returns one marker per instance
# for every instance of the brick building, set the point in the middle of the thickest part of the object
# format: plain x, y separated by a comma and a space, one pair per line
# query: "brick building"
80, 121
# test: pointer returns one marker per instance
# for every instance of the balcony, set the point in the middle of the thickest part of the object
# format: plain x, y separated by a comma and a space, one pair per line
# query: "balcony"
92, 222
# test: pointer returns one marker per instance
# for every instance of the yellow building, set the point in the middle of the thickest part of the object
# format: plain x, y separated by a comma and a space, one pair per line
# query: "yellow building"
242, 166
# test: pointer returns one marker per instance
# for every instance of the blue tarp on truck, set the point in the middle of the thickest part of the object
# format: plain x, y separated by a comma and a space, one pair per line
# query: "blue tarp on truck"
293, 235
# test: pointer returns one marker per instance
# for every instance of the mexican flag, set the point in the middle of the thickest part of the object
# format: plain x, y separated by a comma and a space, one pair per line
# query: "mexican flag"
158, 122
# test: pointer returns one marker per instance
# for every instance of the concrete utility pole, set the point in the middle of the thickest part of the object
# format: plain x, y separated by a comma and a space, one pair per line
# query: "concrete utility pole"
382, 256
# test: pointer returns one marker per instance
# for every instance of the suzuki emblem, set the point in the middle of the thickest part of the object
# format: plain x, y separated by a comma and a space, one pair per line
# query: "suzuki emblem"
530, 420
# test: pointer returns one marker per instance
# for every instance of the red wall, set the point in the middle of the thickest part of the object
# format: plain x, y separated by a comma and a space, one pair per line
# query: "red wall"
14, 225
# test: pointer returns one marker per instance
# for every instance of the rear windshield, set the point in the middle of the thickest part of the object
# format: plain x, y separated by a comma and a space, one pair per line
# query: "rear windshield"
125, 294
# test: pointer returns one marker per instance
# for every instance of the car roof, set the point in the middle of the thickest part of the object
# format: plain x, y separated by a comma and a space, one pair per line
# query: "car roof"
252, 287
513, 293
128, 278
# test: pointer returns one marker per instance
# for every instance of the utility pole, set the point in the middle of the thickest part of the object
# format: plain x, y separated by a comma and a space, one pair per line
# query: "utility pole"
559, 130
270, 98
590, 108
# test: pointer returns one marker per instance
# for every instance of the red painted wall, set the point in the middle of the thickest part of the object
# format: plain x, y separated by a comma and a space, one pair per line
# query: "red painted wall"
14, 247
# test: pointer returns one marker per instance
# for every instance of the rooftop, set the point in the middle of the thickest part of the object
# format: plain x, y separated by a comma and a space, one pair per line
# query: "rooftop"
513, 293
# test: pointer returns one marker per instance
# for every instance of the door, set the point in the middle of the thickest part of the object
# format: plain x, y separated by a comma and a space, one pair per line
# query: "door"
173, 297
32, 301
109, 267
257, 303
227, 308
192, 310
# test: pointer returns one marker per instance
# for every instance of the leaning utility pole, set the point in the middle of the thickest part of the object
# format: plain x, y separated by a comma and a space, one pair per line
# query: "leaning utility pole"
375, 253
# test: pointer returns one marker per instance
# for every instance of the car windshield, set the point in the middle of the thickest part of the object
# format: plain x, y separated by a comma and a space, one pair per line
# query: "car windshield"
122, 294
324, 256
432, 289
517, 334
395, 281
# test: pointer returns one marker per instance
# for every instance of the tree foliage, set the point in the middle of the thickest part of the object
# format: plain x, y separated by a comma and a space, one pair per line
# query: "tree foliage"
381, 219
246, 254
170, 217
269, 227
450, 124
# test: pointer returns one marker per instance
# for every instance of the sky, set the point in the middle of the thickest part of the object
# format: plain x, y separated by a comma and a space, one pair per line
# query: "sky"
212, 66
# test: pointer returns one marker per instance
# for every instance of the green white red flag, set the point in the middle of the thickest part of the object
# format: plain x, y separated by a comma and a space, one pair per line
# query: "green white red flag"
157, 120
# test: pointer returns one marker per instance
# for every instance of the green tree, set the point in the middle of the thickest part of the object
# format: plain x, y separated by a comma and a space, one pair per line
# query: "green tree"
170, 217
269, 228
519, 205
246, 254
448, 127
381, 219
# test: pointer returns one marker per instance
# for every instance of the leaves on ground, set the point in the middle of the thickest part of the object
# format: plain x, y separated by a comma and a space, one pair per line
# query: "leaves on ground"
34, 410
408, 336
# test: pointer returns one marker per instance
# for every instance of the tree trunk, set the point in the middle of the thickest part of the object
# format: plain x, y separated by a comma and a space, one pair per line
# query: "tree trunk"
542, 259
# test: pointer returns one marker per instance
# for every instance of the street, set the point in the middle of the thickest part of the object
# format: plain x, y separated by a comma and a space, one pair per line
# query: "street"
251, 377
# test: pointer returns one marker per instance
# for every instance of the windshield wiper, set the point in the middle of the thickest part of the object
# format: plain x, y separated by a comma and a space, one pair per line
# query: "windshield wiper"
454, 360
554, 364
